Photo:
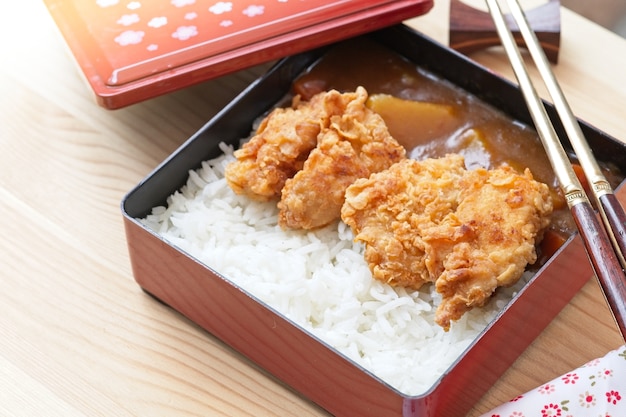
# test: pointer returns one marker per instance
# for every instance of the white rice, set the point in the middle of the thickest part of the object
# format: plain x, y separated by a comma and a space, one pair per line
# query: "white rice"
319, 280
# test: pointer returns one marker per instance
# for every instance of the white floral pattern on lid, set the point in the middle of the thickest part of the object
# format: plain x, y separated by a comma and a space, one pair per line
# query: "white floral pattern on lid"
597, 388
133, 50
151, 33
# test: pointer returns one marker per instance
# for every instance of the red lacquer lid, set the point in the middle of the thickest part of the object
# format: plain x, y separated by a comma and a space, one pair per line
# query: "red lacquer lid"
133, 50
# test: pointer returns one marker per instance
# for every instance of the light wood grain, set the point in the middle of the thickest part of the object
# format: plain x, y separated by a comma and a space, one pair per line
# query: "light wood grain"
77, 335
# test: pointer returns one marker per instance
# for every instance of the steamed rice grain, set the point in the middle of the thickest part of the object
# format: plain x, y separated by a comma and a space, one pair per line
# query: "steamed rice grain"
318, 280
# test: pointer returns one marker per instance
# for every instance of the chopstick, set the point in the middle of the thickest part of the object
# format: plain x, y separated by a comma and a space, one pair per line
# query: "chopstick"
604, 248
610, 209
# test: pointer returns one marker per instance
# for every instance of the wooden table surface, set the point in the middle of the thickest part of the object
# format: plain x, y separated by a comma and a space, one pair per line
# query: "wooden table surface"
77, 335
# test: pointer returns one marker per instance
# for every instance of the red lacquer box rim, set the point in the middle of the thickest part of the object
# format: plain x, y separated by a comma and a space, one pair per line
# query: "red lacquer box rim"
131, 54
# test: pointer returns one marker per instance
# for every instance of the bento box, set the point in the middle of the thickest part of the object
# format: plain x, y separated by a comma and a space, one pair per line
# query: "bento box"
291, 352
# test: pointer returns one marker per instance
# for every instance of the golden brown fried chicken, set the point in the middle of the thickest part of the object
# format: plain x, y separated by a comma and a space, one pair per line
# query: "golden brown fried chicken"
356, 144
280, 146
468, 231
489, 240
388, 210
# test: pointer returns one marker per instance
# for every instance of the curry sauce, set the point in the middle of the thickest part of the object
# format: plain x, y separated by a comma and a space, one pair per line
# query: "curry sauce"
431, 117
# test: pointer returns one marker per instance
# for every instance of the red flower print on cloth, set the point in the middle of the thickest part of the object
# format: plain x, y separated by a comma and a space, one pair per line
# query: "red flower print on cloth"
570, 378
594, 362
613, 397
605, 373
594, 389
587, 400
546, 389
552, 410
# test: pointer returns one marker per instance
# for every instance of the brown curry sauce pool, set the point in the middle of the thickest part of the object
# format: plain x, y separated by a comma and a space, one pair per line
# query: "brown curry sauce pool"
434, 118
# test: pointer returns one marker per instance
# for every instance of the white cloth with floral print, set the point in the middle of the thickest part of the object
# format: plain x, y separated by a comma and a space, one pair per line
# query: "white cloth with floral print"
596, 389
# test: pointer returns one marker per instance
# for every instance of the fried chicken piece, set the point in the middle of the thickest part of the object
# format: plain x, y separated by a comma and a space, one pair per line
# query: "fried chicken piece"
488, 241
280, 146
388, 210
469, 232
356, 144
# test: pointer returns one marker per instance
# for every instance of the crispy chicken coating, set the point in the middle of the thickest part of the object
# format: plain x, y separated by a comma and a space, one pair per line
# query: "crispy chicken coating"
469, 232
356, 144
388, 210
280, 145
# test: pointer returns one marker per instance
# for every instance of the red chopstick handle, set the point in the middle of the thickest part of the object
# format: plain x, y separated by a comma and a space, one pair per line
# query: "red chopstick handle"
604, 261
617, 219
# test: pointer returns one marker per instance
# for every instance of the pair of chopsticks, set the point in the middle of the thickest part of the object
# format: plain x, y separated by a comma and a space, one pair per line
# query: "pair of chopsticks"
606, 245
